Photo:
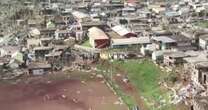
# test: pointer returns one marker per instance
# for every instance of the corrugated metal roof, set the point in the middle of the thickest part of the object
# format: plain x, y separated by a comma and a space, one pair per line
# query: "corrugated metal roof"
43, 48
79, 14
121, 30
172, 14
97, 33
130, 41
164, 39
87, 49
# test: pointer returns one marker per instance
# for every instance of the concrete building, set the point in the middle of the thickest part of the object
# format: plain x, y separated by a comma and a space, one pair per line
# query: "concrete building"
201, 73
125, 42
203, 41
174, 58
183, 43
197, 65
164, 42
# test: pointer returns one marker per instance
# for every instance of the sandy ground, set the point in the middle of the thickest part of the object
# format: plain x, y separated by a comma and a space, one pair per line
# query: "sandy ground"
67, 94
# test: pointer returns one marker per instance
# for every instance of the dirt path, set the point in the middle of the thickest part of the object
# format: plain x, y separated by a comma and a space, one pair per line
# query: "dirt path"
129, 89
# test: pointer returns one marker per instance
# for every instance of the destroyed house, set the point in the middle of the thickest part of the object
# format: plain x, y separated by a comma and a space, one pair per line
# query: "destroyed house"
84, 52
40, 52
67, 17
54, 57
59, 21
8, 50
46, 41
203, 41
47, 11
3, 62
31, 43
61, 55
62, 34
39, 68
47, 32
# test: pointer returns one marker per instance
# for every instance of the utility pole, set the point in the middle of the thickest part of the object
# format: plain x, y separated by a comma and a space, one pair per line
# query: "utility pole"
49, 1
111, 70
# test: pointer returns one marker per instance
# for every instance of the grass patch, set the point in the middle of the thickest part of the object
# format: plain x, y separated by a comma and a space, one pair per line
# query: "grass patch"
87, 43
203, 24
145, 75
